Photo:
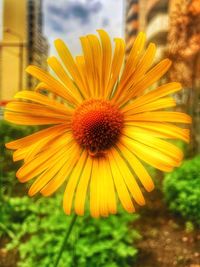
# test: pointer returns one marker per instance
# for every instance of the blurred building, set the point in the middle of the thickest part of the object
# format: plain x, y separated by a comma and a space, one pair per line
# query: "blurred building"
142, 14
157, 24
152, 18
22, 44
131, 22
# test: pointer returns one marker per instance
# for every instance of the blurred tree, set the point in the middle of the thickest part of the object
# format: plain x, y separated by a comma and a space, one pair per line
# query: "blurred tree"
184, 51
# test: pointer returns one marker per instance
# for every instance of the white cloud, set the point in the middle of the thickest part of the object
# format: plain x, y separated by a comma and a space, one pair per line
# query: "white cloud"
71, 19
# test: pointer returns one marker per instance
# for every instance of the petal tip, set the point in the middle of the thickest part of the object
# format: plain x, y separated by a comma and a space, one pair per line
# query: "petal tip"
30, 193
8, 145
29, 68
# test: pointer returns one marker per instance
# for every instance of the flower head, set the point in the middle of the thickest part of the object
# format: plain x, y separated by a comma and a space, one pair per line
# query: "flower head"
104, 128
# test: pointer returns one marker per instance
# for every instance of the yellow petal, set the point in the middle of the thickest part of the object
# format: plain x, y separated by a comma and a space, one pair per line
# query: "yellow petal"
35, 137
103, 189
80, 63
64, 77
150, 155
69, 63
71, 157
28, 153
133, 57
102, 192
117, 62
160, 116
41, 86
44, 100
72, 183
60, 167
21, 153
94, 190
106, 59
144, 64
89, 66
97, 63
120, 184
131, 63
140, 69
165, 102
42, 145
150, 78
45, 177
22, 119
54, 85
33, 109
44, 159
80, 196
164, 130
112, 206
153, 95
137, 167
146, 138
129, 179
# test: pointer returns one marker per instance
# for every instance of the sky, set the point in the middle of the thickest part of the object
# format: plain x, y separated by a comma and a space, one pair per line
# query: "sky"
70, 19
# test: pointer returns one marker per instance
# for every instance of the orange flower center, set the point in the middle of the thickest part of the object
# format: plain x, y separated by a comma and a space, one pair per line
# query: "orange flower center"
97, 125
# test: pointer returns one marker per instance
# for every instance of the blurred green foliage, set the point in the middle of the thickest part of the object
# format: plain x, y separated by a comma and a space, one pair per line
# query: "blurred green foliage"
189, 227
37, 228
182, 190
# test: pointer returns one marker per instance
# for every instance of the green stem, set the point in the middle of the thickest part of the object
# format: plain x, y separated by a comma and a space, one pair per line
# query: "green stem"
65, 240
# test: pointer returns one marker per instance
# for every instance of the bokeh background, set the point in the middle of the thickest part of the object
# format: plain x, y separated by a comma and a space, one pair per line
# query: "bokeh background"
166, 232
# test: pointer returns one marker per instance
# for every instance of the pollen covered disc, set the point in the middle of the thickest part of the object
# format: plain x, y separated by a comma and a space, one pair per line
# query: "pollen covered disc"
97, 125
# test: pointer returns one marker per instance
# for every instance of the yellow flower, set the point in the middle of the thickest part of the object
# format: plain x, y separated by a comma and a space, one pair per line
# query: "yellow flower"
105, 128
